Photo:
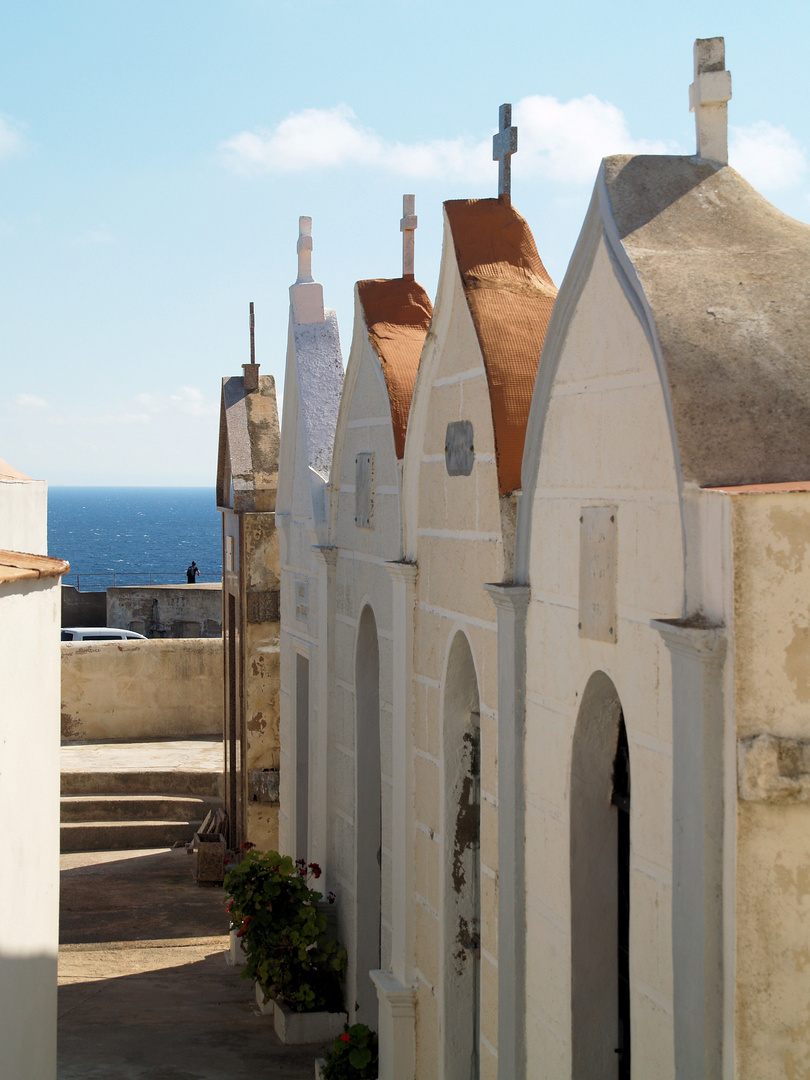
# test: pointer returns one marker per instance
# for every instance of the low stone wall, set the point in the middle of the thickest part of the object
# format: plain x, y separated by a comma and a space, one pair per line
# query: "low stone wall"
166, 611
83, 608
168, 688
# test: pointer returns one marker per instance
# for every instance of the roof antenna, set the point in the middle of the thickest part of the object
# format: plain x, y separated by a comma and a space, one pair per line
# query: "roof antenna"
250, 378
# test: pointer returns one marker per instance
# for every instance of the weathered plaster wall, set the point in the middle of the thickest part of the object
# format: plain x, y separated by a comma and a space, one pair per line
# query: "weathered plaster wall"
159, 611
458, 548
606, 442
772, 691
360, 579
142, 689
29, 732
261, 684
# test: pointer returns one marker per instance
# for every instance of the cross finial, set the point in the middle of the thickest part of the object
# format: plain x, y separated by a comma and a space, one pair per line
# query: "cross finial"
504, 144
407, 226
304, 249
709, 95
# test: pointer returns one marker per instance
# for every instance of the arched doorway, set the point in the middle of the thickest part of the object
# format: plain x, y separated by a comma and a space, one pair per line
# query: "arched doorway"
461, 738
600, 886
368, 817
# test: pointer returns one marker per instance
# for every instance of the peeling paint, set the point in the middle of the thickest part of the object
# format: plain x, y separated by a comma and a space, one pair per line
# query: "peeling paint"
793, 529
797, 661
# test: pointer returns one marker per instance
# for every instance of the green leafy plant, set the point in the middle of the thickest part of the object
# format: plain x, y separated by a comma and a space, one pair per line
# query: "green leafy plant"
283, 933
354, 1054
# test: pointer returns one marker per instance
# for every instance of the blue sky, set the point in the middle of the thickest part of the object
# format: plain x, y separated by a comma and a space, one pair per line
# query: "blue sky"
155, 157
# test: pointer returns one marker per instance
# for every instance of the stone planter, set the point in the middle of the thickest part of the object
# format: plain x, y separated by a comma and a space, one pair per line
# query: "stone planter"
209, 857
234, 957
295, 1028
266, 1008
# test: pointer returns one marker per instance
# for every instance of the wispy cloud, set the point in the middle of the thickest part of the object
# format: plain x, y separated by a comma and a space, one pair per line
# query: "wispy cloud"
767, 156
31, 403
11, 140
560, 141
101, 235
188, 400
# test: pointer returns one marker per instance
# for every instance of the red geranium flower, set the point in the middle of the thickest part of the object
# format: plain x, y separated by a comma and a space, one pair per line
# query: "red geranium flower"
345, 1037
316, 870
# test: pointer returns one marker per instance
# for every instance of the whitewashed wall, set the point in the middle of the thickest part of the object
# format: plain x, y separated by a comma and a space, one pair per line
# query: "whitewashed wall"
606, 442
454, 533
29, 795
361, 579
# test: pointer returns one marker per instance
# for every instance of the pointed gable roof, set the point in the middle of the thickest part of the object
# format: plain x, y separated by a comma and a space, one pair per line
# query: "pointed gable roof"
726, 279
510, 296
397, 312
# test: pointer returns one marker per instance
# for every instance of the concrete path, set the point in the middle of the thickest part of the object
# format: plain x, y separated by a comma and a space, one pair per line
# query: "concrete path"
144, 990
188, 755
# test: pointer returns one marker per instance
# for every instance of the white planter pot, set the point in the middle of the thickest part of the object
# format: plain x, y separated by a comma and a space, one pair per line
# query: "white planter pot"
294, 1028
234, 956
320, 1065
266, 1008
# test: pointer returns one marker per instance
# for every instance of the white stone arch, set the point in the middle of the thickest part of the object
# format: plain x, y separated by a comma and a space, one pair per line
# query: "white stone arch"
599, 871
598, 224
368, 815
460, 885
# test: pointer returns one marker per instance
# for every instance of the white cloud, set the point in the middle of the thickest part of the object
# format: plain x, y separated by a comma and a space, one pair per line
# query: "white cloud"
188, 400
565, 141
10, 137
96, 236
767, 156
560, 141
31, 403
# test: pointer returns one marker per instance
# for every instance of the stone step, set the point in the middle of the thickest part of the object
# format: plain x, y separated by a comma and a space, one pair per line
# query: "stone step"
89, 808
124, 835
177, 782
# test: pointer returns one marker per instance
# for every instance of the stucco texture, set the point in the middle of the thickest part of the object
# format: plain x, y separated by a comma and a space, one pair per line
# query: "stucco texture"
142, 689
772, 692
727, 277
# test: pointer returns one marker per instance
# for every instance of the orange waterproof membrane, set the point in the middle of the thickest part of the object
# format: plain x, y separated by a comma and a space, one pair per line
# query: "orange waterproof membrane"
397, 313
510, 296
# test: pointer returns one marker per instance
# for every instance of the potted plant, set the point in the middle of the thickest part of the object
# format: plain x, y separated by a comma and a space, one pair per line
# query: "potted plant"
354, 1055
282, 932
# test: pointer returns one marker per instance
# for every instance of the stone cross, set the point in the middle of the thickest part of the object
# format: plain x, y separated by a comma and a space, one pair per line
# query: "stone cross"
709, 95
504, 144
304, 249
408, 227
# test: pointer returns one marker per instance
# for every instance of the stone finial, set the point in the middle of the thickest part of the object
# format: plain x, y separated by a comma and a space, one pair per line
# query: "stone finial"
250, 372
709, 95
306, 295
504, 144
407, 226
304, 249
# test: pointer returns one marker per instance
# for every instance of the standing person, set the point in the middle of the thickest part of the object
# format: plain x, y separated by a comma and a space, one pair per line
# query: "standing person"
192, 573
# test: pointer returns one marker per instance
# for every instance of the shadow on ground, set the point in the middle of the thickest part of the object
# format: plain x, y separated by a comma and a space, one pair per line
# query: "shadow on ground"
144, 988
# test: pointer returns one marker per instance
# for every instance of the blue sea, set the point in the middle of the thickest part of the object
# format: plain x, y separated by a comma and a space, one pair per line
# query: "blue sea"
122, 535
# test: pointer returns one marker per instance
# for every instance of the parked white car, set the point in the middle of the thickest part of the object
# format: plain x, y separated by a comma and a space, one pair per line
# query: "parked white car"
98, 633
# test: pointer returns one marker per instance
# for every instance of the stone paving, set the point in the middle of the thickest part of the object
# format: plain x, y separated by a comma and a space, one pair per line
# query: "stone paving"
144, 990
188, 755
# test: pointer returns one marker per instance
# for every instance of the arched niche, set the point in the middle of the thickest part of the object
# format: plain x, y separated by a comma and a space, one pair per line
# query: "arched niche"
461, 738
600, 886
368, 816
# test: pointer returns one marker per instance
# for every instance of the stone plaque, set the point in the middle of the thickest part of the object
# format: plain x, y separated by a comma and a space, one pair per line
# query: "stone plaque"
363, 490
597, 573
301, 599
459, 449
263, 607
